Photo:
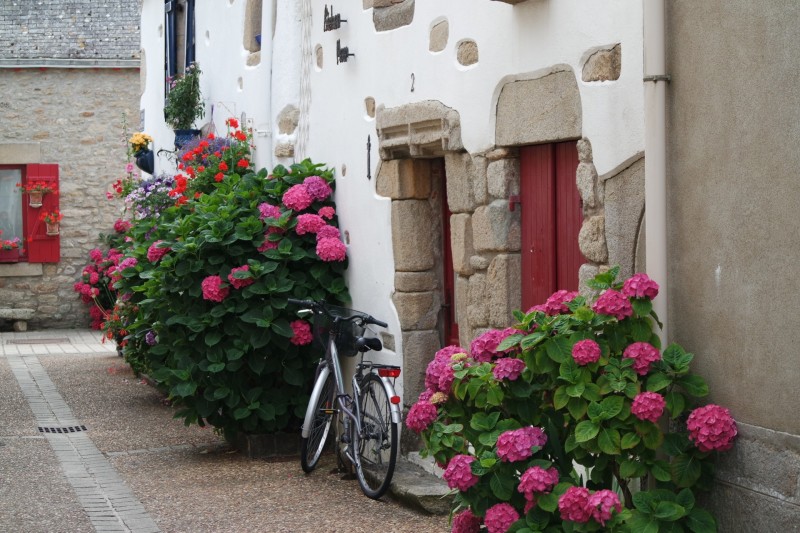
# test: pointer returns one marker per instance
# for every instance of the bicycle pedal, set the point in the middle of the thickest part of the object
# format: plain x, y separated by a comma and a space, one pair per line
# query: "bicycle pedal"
329, 411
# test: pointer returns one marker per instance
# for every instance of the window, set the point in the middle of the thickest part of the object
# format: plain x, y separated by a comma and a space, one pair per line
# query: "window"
179, 42
19, 219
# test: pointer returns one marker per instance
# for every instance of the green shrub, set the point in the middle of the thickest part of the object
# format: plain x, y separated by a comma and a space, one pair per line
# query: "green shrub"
554, 424
208, 284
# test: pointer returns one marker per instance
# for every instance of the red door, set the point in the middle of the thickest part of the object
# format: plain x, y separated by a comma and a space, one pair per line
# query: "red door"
448, 294
551, 220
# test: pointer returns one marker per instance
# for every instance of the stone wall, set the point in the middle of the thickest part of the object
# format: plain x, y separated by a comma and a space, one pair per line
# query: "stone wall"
485, 233
72, 117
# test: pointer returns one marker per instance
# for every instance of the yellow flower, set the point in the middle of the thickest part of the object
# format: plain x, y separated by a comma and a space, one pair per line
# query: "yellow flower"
139, 141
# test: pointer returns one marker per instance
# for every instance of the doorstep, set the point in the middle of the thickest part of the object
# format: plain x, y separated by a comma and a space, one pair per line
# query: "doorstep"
419, 488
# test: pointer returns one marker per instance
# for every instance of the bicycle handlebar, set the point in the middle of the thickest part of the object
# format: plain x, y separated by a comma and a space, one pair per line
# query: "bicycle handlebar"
320, 306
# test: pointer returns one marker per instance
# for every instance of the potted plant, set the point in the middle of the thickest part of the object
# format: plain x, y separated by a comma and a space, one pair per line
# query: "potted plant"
36, 190
51, 220
141, 152
184, 105
9, 249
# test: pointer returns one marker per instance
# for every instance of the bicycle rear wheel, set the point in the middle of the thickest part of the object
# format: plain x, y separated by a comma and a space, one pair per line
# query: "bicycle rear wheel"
311, 447
376, 445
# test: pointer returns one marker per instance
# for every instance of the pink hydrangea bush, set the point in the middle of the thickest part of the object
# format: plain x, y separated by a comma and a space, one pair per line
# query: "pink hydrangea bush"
239, 283
156, 252
594, 374
214, 289
466, 522
301, 333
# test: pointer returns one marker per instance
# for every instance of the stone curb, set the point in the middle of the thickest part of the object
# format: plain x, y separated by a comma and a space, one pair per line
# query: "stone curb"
420, 489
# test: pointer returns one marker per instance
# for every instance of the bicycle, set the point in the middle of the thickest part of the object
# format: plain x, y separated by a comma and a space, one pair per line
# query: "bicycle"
369, 439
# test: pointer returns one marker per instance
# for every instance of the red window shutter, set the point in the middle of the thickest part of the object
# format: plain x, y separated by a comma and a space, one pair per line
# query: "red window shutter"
42, 248
569, 217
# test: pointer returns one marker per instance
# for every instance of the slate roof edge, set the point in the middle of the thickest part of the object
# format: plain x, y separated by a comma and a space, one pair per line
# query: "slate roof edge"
70, 63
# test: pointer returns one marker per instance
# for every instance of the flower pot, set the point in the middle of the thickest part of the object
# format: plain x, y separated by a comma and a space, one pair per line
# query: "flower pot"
35, 199
184, 136
9, 256
52, 229
145, 160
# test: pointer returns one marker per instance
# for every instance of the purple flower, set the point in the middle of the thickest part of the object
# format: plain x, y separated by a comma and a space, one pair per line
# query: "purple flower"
317, 187
150, 338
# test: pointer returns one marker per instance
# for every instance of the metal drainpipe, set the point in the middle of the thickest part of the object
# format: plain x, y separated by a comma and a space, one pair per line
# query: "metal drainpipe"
655, 145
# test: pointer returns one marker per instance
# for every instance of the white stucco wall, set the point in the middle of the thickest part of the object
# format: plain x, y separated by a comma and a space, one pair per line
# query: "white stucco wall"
228, 85
514, 43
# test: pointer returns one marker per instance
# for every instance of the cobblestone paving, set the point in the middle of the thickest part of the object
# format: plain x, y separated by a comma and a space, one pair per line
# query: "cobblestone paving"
135, 468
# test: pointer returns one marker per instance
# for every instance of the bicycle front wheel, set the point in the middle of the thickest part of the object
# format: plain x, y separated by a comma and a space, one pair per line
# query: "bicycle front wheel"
376, 445
324, 412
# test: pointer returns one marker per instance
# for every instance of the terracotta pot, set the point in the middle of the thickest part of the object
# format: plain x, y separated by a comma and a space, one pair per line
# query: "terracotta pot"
35, 199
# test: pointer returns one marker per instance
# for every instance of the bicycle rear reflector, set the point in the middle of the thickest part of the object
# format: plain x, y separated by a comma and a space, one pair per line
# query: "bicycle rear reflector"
395, 399
389, 372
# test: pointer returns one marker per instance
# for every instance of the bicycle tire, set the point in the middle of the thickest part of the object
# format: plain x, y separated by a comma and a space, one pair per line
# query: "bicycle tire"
311, 447
376, 446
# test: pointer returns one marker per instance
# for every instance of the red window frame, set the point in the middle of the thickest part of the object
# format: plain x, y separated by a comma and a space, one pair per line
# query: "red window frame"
38, 246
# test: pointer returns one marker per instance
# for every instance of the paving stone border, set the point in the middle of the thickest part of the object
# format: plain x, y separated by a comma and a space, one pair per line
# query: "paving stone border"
106, 498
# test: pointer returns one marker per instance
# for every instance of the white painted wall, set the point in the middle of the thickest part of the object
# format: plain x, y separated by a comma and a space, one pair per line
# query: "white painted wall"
229, 87
513, 41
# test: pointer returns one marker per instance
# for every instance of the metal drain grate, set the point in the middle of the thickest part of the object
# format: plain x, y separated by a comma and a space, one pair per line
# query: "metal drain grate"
62, 429
32, 340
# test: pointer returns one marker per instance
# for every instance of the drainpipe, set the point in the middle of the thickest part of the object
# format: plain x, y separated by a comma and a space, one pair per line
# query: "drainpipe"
655, 162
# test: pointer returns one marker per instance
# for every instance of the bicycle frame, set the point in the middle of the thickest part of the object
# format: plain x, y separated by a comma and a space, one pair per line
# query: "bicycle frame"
332, 361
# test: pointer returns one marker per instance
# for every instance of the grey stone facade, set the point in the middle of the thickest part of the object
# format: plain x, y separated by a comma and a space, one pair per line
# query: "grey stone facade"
72, 117
69, 30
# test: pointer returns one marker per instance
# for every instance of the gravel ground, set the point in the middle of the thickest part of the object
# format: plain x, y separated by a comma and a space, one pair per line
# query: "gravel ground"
187, 478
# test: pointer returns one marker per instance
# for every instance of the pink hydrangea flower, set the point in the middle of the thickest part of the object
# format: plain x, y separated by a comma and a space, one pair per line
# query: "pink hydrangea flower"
458, 473
508, 368
326, 212
640, 286
128, 262
517, 444
711, 427
613, 303
331, 250
574, 505
309, 223
121, 226
302, 333
420, 416
270, 244
214, 289
601, 503
499, 517
269, 211
537, 480
317, 187
648, 406
96, 255
586, 351
155, 252
439, 372
94, 277
328, 232
484, 347
556, 304
237, 282
425, 396
643, 355
466, 522
297, 198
